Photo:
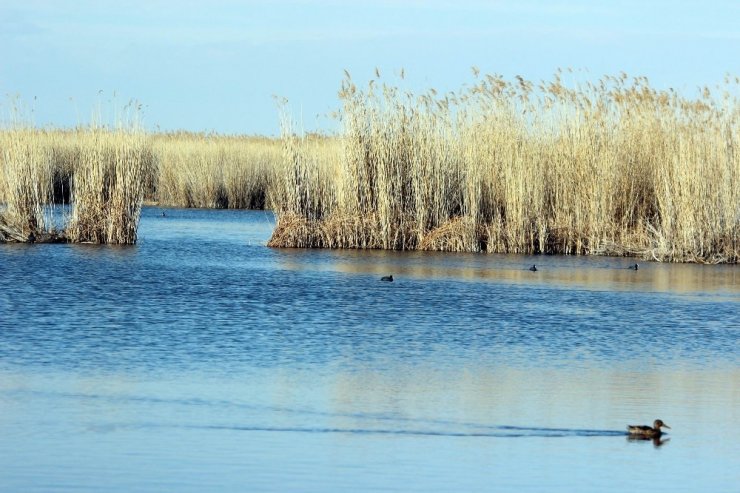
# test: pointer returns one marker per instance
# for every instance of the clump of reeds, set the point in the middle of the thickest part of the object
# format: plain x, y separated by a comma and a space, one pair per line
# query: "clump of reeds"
100, 173
212, 171
97, 174
615, 167
26, 178
108, 186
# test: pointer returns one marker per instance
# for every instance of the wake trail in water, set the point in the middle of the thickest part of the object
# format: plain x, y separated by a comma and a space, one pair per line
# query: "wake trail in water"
476, 429
496, 432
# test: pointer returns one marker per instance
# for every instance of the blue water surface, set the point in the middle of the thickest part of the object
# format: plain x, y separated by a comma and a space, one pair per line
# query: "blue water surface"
201, 360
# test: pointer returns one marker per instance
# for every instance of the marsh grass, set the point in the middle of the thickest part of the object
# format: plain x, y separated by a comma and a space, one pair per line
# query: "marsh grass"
608, 168
104, 174
99, 172
212, 171
108, 186
27, 177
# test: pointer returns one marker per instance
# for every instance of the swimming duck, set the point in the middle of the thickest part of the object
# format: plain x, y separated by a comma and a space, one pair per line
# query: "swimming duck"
646, 431
533, 268
634, 267
387, 278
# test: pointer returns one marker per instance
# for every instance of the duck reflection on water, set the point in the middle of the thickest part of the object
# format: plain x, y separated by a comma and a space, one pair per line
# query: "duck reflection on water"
658, 441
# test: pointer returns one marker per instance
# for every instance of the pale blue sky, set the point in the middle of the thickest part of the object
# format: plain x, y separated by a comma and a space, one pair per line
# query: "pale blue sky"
214, 65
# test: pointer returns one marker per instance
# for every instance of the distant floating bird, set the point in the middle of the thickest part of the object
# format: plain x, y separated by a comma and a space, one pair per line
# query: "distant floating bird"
634, 267
387, 278
647, 431
533, 268
163, 214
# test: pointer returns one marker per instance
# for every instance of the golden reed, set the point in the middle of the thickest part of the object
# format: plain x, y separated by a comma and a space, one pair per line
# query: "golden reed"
103, 175
608, 168
213, 171
99, 173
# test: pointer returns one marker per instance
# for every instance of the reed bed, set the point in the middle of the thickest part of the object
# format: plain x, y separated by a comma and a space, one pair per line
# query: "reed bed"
103, 175
99, 174
212, 171
614, 167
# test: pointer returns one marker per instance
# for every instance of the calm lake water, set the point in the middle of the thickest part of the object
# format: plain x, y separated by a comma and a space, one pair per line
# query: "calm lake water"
200, 360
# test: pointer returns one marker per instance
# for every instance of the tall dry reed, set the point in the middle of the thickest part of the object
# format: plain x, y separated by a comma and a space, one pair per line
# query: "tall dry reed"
108, 186
100, 174
26, 190
103, 174
614, 167
199, 170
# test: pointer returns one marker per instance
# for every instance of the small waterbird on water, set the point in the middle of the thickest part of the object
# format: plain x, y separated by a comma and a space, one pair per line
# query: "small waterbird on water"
647, 431
533, 268
387, 278
634, 267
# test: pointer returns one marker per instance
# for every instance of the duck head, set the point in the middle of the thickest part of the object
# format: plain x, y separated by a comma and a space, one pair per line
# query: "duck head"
658, 424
